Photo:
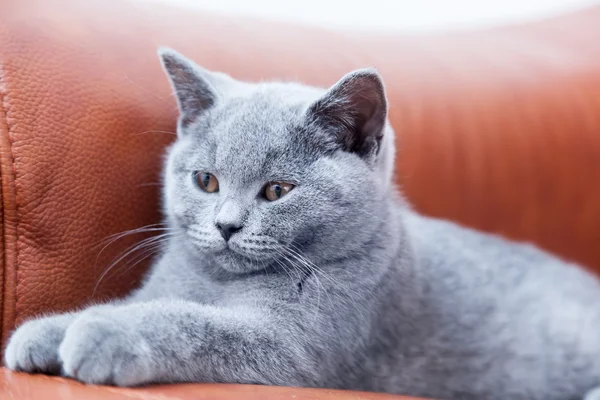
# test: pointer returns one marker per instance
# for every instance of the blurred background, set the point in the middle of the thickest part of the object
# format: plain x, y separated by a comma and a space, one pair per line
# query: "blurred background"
405, 15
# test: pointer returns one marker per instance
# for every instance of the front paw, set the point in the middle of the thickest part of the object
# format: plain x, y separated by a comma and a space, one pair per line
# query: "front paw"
34, 346
104, 348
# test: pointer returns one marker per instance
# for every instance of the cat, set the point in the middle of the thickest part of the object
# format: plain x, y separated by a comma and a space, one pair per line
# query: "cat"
291, 259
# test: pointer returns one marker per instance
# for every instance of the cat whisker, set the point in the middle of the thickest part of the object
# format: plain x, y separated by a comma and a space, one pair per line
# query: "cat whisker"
320, 287
150, 251
298, 254
301, 263
281, 264
201, 241
129, 251
109, 240
146, 228
317, 272
285, 269
347, 292
199, 230
260, 262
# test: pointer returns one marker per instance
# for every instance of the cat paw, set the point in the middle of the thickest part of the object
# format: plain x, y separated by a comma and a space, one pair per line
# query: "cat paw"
34, 345
104, 348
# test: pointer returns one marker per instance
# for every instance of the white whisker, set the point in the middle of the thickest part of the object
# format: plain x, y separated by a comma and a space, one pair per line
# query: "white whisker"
140, 245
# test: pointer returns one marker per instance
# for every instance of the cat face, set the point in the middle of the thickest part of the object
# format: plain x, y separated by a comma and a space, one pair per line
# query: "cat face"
262, 174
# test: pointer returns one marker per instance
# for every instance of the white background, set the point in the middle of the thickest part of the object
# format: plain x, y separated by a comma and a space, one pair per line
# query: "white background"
412, 15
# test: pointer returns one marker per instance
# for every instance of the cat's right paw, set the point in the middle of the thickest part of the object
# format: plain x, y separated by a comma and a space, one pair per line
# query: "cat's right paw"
34, 345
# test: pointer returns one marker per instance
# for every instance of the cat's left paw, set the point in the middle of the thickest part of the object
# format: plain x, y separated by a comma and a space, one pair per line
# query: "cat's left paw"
102, 347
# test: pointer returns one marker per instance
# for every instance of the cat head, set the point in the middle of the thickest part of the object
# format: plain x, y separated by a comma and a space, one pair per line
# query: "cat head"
268, 172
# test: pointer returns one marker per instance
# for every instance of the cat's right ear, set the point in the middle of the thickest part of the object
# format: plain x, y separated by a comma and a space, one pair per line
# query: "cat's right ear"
353, 114
194, 87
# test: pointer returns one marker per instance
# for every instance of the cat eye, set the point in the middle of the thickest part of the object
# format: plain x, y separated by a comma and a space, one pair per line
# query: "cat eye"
276, 190
206, 181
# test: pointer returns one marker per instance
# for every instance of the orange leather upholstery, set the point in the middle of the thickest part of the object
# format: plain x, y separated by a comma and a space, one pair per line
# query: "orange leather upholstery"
498, 129
38, 387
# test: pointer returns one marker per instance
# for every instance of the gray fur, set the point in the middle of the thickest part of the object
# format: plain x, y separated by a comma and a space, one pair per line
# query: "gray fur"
339, 284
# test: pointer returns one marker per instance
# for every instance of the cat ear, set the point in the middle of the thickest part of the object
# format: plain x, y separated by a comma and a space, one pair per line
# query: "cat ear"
354, 111
196, 88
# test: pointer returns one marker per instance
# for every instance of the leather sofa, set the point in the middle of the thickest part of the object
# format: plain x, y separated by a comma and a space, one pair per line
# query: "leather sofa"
498, 129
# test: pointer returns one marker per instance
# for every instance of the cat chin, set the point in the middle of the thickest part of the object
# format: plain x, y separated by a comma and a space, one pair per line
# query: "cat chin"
234, 262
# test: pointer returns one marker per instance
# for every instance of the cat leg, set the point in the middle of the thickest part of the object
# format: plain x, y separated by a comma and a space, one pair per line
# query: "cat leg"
181, 341
33, 347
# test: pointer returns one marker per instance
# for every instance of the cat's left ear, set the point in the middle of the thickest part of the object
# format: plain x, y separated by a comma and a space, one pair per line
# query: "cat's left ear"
353, 113
197, 89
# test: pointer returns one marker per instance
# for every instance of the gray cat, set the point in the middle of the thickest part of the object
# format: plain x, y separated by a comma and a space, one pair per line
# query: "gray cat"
292, 260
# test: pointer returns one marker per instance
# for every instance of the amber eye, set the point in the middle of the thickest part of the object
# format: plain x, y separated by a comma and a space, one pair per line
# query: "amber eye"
276, 190
207, 182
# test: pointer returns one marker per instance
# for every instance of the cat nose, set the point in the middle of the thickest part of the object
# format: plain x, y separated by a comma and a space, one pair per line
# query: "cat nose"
228, 229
